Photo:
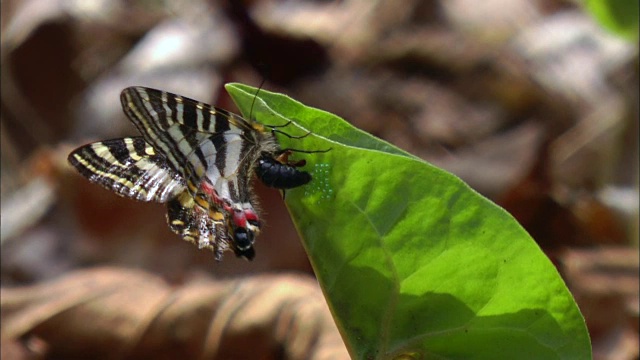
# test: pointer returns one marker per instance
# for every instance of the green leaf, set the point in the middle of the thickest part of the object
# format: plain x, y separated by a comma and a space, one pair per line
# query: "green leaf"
619, 16
411, 260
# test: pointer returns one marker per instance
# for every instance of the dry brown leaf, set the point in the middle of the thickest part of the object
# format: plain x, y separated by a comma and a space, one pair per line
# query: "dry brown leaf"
604, 282
126, 314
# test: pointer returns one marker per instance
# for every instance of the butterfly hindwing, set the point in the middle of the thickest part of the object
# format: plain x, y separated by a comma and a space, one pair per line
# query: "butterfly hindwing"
130, 167
207, 230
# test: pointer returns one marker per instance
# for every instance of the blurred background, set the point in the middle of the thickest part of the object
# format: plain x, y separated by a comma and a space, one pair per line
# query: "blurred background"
533, 103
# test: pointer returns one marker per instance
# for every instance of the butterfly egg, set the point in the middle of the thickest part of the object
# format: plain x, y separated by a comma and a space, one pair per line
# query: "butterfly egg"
320, 187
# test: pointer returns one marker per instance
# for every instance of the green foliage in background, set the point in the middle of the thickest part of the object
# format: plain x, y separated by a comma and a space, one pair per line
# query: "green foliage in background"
411, 260
619, 16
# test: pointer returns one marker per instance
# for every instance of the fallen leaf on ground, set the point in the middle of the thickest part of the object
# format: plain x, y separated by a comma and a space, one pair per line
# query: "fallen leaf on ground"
127, 314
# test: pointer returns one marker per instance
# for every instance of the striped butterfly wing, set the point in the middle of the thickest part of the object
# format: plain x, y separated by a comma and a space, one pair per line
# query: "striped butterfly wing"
192, 223
199, 141
130, 167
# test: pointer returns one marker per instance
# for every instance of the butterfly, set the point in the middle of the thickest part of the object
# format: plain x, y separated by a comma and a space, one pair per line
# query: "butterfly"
199, 160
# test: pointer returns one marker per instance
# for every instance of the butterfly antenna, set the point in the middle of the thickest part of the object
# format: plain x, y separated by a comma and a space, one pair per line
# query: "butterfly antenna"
254, 98
272, 126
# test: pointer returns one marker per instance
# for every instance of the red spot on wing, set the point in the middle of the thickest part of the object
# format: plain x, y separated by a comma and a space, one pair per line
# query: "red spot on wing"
207, 188
239, 219
211, 193
251, 215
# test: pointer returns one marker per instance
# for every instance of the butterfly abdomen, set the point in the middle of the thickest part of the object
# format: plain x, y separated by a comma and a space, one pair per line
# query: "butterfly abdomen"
276, 174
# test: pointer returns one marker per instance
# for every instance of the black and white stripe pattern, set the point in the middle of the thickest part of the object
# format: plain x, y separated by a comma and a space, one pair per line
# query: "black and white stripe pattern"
129, 167
197, 139
196, 158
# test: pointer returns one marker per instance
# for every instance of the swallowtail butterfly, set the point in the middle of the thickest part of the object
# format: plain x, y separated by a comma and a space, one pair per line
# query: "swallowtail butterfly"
196, 158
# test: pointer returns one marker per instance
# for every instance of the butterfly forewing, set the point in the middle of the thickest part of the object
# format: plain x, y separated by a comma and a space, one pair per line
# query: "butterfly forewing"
129, 167
197, 139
